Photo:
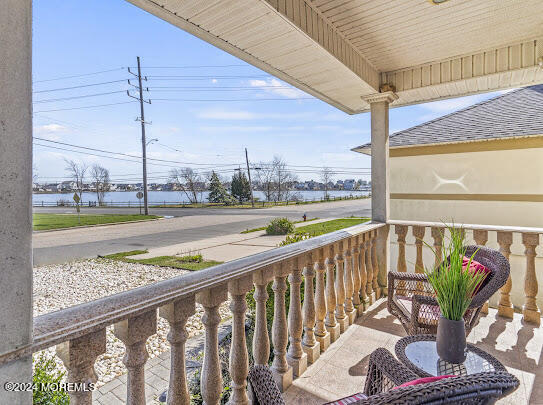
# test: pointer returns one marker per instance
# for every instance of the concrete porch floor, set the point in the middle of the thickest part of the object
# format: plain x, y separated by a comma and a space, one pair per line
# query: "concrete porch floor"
341, 370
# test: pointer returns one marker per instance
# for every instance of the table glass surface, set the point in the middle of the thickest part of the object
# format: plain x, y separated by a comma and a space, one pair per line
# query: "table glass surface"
423, 354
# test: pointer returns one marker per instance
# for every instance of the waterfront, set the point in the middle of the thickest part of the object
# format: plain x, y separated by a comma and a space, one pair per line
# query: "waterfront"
158, 197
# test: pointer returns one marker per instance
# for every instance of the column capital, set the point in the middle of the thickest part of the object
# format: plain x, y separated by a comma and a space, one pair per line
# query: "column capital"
388, 96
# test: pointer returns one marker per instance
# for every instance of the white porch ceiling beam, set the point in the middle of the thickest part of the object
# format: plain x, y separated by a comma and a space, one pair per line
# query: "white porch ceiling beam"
501, 68
289, 39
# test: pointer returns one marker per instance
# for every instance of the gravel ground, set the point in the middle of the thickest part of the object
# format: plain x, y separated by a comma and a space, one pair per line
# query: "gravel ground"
64, 285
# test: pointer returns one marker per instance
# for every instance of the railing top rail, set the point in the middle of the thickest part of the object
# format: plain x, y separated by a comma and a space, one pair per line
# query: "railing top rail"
60, 326
496, 228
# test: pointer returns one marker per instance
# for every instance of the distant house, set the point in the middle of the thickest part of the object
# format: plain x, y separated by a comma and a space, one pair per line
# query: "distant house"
349, 184
479, 165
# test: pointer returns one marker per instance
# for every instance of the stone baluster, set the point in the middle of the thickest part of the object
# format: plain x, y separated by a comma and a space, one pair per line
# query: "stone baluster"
364, 303
530, 311
355, 252
211, 376
437, 235
78, 356
418, 233
321, 334
505, 307
282, 371
401, 232
349, 284
481, 237
296, 357
133, 332
177, 313
341, 317
261, 339
375, 265
332, 326
239, 358
310, 346
369, 269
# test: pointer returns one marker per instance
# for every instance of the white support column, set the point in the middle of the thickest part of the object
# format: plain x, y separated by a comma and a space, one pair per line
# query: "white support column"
16, 193
380, 194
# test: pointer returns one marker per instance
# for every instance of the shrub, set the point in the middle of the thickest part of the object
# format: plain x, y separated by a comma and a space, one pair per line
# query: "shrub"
45, 372
296, 237
280, 226
192, 258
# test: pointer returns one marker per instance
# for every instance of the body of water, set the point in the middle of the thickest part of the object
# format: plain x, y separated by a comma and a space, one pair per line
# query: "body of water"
156, 197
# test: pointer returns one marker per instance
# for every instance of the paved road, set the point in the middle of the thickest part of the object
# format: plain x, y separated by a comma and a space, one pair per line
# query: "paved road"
188, 224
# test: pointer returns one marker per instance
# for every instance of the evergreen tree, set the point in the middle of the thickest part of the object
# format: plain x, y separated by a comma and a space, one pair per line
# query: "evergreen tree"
240, 188
217, 191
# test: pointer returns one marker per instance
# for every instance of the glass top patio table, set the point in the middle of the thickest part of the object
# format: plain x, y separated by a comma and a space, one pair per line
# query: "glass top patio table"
419, 353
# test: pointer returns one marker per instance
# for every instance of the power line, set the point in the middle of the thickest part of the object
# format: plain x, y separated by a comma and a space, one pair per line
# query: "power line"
218, 87
204, 76
85, 107
128, 155
237, 99
81, 75
192, 66
52, 100
79, 87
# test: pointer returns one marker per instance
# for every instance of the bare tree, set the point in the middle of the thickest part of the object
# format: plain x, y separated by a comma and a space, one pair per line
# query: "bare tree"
265, 175
191, 183
77, 172
326, 177
283, 179
100, 177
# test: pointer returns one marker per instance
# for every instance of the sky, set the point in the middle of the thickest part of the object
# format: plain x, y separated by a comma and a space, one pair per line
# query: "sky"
268, 117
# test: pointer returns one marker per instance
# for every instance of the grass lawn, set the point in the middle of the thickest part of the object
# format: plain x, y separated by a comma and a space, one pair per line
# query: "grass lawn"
56, 221
329, 226
264, 227
192, 263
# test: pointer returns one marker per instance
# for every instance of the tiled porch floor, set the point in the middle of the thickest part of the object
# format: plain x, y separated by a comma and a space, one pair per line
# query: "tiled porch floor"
341, 370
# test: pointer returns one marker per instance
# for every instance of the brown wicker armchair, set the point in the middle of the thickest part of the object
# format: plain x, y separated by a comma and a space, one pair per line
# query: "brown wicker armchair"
385, 372
411, 297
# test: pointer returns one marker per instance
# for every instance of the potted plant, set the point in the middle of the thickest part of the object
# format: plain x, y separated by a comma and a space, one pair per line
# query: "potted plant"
454, 285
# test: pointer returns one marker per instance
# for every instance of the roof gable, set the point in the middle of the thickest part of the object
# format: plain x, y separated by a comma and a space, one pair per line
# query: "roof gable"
513, 114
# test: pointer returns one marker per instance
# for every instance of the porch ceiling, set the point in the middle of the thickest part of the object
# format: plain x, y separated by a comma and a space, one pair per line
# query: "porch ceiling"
340, 50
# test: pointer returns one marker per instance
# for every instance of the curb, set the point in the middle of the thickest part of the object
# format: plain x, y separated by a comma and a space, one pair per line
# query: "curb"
98, 225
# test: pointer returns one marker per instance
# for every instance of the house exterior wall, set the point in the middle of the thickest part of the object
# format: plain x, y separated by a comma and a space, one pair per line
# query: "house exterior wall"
507, 179
502, 187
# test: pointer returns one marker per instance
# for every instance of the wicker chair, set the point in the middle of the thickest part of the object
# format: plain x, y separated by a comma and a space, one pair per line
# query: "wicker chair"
385, 372
411, 297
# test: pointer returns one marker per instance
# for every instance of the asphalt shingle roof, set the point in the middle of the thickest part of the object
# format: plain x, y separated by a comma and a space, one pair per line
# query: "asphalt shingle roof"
513, 114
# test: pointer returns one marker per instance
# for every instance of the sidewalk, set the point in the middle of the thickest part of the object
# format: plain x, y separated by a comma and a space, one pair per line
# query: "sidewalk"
225, 248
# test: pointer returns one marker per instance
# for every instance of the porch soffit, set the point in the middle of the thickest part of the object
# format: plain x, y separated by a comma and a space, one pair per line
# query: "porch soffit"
340, 50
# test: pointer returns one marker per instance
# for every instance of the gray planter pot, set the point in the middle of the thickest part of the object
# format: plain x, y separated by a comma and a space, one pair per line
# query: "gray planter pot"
451, 340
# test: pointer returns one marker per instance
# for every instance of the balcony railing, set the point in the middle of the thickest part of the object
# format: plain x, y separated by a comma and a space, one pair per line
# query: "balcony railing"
522, 280
345, 268
343, 273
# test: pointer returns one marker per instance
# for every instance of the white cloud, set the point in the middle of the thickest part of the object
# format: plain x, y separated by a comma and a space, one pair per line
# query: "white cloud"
274, 86
50, 131
454, 104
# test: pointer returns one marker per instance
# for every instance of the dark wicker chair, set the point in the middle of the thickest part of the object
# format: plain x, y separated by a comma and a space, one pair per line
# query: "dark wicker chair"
385, 372
411, 297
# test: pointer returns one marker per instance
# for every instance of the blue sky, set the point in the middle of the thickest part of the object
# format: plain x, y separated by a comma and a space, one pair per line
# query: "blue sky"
79, 36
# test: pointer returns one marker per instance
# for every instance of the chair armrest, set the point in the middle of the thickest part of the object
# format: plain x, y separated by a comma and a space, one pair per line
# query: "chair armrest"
481, 388
418, 302
385, 372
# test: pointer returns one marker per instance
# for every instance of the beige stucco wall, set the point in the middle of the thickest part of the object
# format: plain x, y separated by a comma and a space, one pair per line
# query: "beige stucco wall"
517, 171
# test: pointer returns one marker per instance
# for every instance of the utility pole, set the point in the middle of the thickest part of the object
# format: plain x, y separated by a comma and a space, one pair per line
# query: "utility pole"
143, 141
249, 174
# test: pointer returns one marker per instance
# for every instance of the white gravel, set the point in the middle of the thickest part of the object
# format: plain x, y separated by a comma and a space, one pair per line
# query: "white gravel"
64, 285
